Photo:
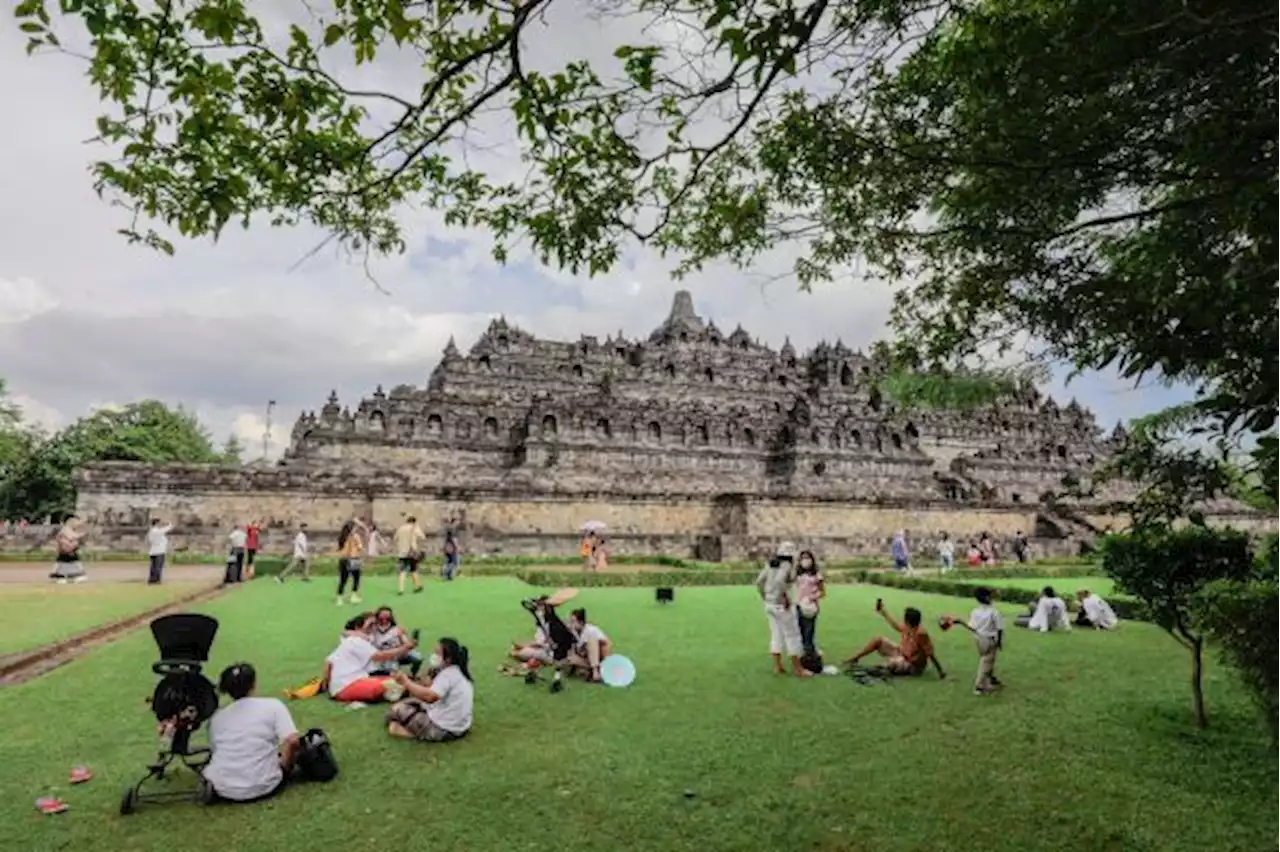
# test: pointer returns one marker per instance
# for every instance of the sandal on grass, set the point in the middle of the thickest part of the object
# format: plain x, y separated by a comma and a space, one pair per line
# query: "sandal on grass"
51, 806
81, 774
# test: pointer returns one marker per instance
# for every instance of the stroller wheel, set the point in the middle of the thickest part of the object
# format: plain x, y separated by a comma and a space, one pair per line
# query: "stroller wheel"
129, 804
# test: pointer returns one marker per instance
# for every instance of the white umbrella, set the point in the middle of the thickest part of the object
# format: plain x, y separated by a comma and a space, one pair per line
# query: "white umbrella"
594, 526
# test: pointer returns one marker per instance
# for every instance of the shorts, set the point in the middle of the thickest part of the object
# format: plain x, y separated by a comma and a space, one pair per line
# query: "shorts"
784, 630
249, 554
408, 565
901, 564
411, 714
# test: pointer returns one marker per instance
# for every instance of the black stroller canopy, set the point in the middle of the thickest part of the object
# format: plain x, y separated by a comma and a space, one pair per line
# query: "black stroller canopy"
184, 637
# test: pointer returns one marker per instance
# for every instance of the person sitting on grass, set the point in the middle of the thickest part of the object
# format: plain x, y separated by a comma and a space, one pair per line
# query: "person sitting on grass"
348, 671
1050, 612
591, 645
386, 635
253, 740
539, 650
1095, 612
439, 710
913, 651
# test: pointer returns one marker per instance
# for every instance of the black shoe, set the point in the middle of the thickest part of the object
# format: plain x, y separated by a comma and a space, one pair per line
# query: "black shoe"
995, 681
418, 590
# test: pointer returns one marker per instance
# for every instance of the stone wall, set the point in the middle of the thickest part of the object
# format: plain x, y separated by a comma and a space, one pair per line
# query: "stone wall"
120, 499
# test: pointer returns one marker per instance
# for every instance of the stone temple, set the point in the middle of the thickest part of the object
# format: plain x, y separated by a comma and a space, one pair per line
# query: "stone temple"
692, 442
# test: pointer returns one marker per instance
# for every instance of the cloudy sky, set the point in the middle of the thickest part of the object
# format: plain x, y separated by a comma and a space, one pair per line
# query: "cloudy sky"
86, 320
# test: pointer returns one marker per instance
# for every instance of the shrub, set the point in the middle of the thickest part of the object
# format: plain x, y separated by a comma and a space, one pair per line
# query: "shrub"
1269, 558
1165, 568
1242, 619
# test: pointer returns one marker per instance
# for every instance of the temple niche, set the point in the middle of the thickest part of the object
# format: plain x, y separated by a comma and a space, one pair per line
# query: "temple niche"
690, 409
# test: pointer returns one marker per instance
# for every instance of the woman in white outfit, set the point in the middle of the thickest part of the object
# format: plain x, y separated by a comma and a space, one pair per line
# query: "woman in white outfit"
774, 584
1051, 612
1095, 612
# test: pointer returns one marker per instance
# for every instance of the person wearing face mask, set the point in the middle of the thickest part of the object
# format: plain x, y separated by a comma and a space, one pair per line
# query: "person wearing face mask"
440, 710
774, 585
811, 587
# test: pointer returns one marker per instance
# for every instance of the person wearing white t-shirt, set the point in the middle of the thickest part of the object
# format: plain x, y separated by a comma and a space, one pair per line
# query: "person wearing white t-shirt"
301, 557
1095, 612
1050, 612
987, 626
591, 645
157, 549
440, 710
947, 553
348, 671
253, 741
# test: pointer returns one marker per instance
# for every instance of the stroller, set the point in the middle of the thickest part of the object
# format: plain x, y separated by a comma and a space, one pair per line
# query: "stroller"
559, 636
183, 700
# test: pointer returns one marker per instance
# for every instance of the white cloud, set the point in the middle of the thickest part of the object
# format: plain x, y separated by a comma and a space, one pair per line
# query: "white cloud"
223, 329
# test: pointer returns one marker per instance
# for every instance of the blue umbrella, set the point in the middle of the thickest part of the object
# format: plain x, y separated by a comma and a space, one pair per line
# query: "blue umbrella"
617, 670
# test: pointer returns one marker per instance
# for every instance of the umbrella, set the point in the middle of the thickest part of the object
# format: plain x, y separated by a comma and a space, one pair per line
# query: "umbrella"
617, 670
594, 526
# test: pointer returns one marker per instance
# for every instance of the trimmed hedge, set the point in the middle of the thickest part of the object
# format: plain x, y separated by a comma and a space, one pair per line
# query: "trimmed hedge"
1124, 607
1242, 621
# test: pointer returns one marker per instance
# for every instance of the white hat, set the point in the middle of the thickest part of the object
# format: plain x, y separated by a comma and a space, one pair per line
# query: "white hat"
786, 550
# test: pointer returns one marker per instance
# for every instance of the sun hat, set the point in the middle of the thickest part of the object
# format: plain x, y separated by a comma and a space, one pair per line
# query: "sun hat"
786, 550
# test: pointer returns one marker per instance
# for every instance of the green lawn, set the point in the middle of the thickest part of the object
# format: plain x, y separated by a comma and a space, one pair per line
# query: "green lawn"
1089, 747
36, 614
1064, 586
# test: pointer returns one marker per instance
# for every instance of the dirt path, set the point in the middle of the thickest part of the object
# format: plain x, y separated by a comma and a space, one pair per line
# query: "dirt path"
108, 572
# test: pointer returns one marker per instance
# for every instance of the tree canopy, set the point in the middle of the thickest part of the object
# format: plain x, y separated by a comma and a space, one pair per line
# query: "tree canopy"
38, 481
1097, 177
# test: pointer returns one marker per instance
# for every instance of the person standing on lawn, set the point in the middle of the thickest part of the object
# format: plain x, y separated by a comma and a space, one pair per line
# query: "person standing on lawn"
252, 541
947, 554
451, 555
811, 588
900, 553
774, 585
301, 557
238, 540
157, 549
987, 626
67, 565
1020, 546
408, 540
350, 550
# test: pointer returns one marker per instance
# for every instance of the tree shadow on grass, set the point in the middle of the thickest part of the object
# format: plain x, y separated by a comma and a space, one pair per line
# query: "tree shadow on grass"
1232, 755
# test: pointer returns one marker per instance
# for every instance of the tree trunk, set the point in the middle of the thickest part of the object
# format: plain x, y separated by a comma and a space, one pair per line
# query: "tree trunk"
1197, 683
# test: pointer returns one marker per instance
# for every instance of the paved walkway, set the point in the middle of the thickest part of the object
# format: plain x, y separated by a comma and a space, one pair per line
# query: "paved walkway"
108, 572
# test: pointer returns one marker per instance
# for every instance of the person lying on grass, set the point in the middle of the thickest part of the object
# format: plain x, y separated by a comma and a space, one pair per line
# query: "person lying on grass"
987, 626
254, 741
591, 645
1095, 612
349, 670
913, 651
438, 710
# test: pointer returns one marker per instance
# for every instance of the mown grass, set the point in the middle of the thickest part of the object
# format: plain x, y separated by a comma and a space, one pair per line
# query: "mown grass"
32, 615
1064, 586
1090, 746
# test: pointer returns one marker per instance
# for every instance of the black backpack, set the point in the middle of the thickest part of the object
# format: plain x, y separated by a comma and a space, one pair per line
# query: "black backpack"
315, 759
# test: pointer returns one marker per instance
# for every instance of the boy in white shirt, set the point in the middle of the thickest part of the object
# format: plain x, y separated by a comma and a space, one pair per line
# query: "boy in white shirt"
987, 626
301, 557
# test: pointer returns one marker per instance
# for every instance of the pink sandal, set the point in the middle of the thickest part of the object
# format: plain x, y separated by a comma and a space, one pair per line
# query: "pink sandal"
51, 806
81, 774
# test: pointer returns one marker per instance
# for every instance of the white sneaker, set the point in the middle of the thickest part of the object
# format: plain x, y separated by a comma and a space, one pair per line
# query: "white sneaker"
339, 600
355, 599
80, 579
61, 581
